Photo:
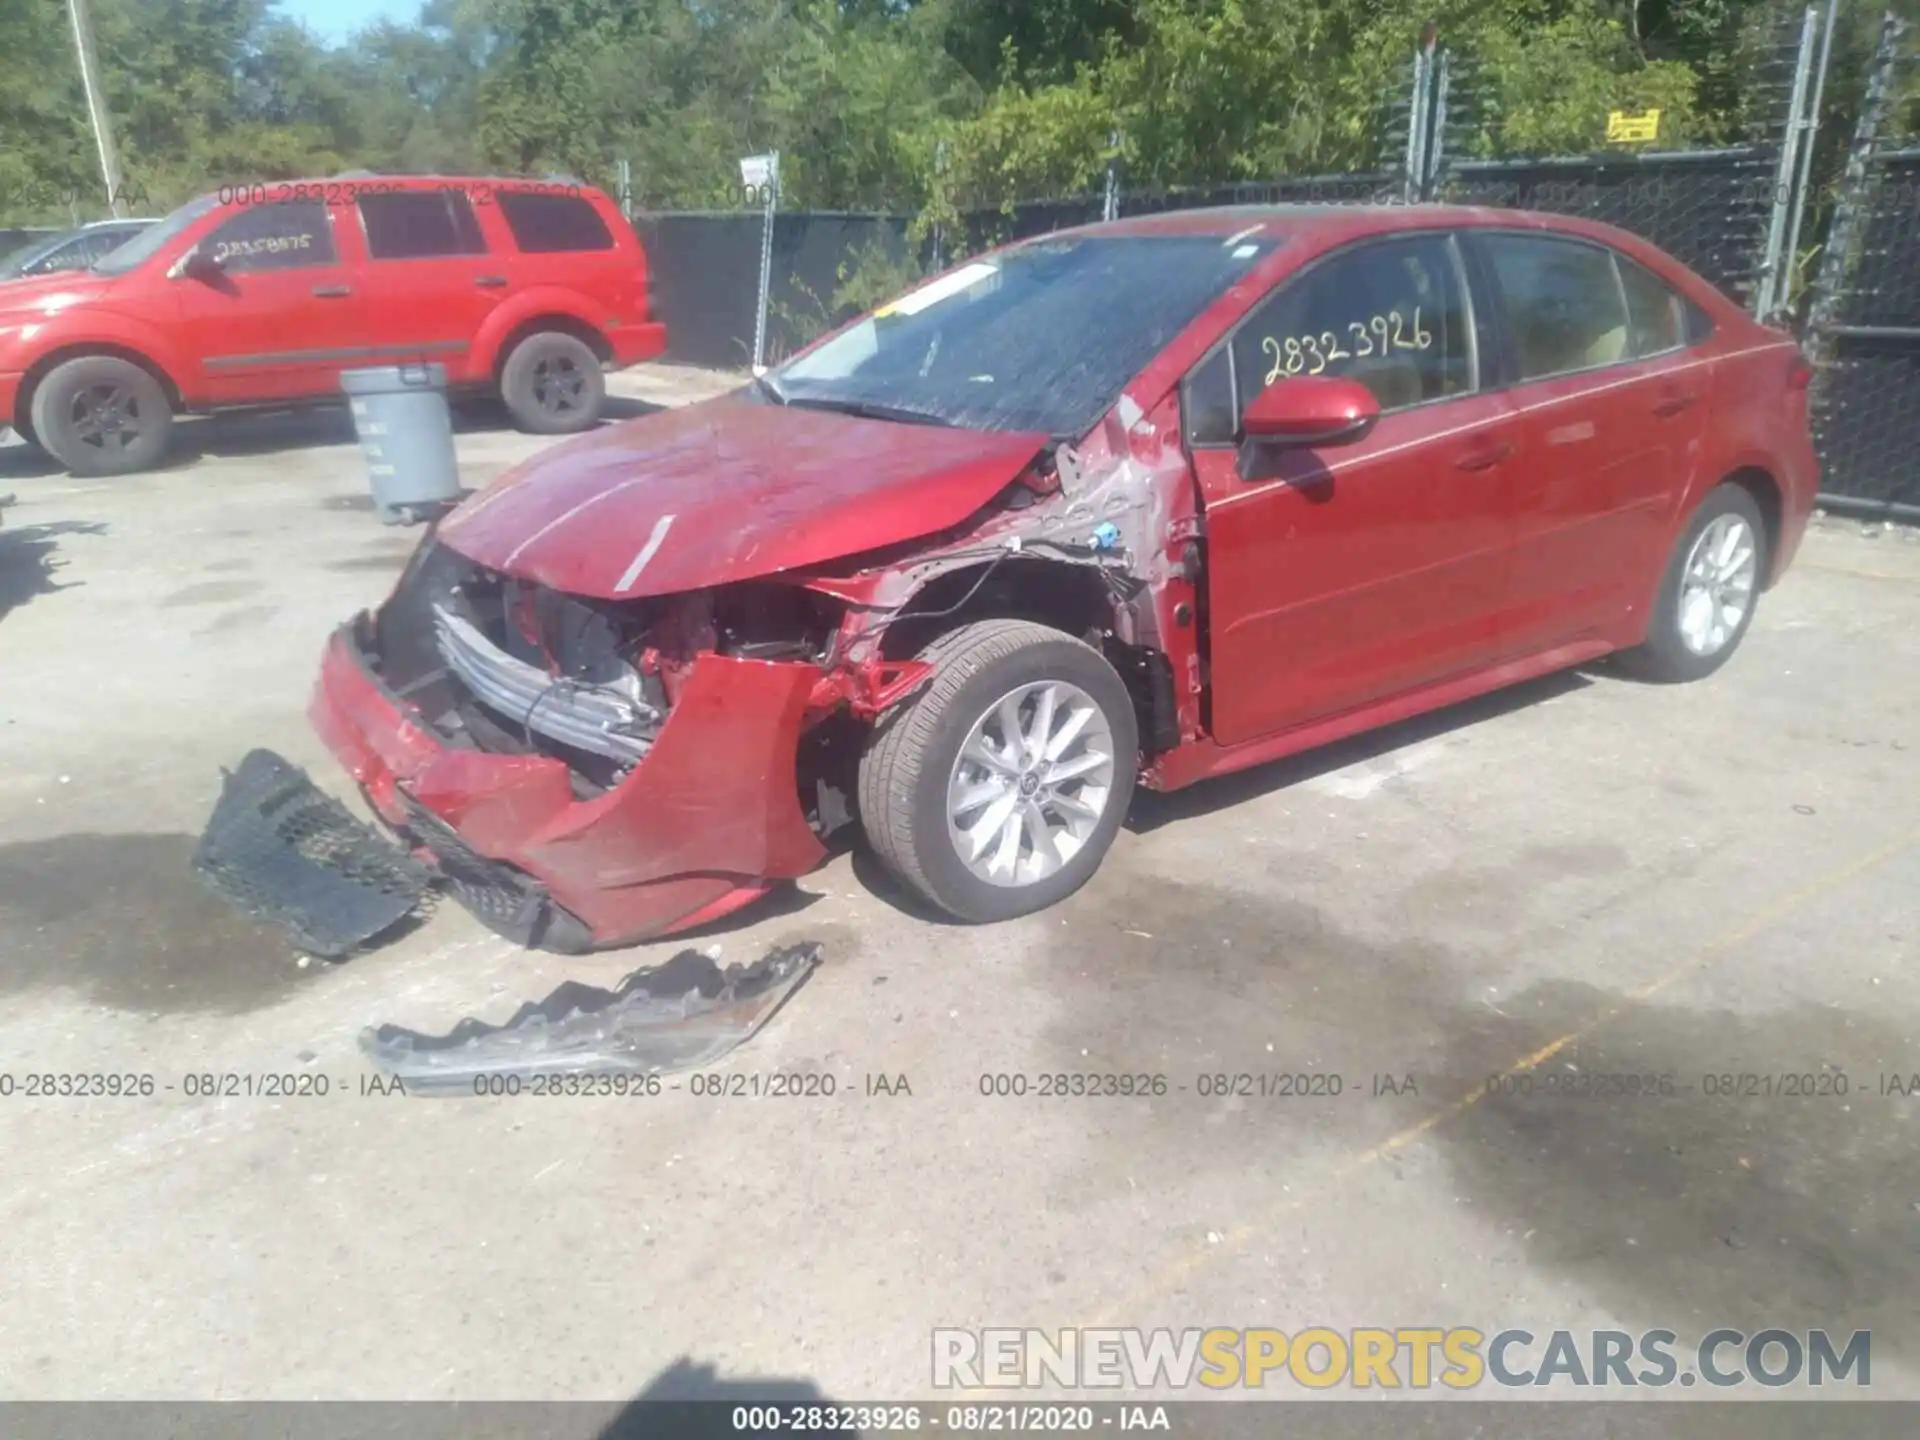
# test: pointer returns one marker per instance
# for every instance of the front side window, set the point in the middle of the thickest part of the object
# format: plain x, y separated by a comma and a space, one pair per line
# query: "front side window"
1040, 337
1390, 314
282, 236
418, 224
1565, 308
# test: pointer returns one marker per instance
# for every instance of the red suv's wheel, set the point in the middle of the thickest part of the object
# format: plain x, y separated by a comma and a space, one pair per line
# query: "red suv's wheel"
552, 384
99, 415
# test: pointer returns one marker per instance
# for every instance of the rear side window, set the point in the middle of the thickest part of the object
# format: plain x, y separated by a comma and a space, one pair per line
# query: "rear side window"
282, 236
1656, 318
417, 224
545, 224
1563, 302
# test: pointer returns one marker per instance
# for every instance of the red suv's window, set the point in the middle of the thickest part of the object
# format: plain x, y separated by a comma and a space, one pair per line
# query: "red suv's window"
547, 224
414, 224
281, 236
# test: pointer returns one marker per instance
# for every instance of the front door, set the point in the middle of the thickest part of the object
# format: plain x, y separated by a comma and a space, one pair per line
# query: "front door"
1341, 576
282, 316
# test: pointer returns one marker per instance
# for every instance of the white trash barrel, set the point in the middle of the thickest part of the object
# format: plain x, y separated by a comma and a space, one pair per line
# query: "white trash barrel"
406, 432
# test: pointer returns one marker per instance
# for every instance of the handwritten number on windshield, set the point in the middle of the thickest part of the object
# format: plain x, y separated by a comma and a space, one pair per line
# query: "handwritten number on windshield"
1311, 354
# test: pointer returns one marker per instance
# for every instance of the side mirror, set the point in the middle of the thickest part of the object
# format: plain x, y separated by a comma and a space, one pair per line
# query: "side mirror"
200, 263
1310, 410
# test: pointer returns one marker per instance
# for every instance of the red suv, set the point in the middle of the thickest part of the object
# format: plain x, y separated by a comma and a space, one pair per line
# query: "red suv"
263, 294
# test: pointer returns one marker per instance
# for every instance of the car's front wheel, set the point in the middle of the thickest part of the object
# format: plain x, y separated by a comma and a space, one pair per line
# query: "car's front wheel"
998, 790
552, 384
1708, 593
101, 415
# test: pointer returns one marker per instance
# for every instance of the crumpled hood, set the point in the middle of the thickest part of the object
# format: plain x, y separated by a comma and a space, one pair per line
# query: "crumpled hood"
727, 490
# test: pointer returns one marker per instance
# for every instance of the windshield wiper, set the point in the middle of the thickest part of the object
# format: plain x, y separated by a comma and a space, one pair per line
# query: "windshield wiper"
770, 389
873, 410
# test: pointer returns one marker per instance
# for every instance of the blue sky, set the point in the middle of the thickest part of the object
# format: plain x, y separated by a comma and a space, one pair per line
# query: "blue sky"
335, 20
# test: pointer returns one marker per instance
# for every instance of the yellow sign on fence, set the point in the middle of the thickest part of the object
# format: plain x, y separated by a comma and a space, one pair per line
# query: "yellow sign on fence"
1625, 129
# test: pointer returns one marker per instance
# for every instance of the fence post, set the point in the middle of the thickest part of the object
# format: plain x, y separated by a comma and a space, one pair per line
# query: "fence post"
940, 203
1437, 130
766, 266
1803, 179
1765, 293
1831, 278
626, 190
1416, 122
1110, 206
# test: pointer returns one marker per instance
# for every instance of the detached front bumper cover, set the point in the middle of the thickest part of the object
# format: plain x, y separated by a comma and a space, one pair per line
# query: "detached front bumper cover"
677, 1016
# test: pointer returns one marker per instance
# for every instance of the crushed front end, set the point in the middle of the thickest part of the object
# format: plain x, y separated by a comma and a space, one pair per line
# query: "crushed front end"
583, 772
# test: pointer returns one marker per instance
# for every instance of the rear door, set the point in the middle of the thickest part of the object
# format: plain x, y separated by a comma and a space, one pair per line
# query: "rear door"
1613, 408
1341, 576
282, 318
431, 278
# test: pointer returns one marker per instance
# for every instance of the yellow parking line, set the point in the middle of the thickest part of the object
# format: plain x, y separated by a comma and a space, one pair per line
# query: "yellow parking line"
1187, 1265
1864, 574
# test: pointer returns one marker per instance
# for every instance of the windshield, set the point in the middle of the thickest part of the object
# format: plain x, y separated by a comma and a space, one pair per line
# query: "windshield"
1040, 337
155, 238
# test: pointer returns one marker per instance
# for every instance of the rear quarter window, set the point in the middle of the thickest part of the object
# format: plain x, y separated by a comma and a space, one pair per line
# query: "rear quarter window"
553, 224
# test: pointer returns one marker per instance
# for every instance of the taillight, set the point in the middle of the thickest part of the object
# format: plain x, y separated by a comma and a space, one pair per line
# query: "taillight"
1800, 374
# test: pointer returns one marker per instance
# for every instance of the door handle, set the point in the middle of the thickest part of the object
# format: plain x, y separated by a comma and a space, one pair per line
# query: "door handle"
490, 282
1672, 403
1486, 457
331, 292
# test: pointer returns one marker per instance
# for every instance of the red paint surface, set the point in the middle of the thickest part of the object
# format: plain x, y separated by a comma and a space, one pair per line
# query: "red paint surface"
711, 810
741, 489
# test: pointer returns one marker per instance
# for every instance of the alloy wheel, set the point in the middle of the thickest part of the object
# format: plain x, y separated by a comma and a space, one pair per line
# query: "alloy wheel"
1031, 783
1716, 586
106, 417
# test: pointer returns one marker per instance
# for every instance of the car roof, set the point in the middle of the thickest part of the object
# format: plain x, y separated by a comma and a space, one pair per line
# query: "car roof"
373, 181
1334, 222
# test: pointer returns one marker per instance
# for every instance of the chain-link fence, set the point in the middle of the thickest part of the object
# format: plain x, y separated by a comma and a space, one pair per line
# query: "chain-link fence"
1722, 210
1864, 319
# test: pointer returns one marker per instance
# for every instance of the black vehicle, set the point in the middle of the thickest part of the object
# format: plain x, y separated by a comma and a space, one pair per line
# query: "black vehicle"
70, 249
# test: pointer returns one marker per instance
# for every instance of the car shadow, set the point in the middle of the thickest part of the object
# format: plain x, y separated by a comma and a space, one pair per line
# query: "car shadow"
28, 560
1152, 809
27, 462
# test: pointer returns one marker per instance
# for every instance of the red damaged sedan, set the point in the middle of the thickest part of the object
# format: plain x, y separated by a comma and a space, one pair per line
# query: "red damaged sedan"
1134, 504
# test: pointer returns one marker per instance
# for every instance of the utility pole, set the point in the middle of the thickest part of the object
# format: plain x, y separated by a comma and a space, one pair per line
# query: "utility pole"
97, 106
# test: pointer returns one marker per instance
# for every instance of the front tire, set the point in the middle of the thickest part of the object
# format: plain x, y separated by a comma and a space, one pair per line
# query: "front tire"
999, 789
100, 415
1709, 592
552, 384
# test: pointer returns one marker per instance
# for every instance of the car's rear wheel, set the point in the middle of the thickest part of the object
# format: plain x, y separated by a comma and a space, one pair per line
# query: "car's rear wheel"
1709, 591
552, 384
101, 415
998, 790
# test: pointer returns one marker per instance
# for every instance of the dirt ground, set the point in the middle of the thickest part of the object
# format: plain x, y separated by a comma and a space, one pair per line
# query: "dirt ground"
1603, 876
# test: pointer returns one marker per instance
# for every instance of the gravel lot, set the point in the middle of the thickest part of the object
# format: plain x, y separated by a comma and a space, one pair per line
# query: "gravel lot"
1587, 871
